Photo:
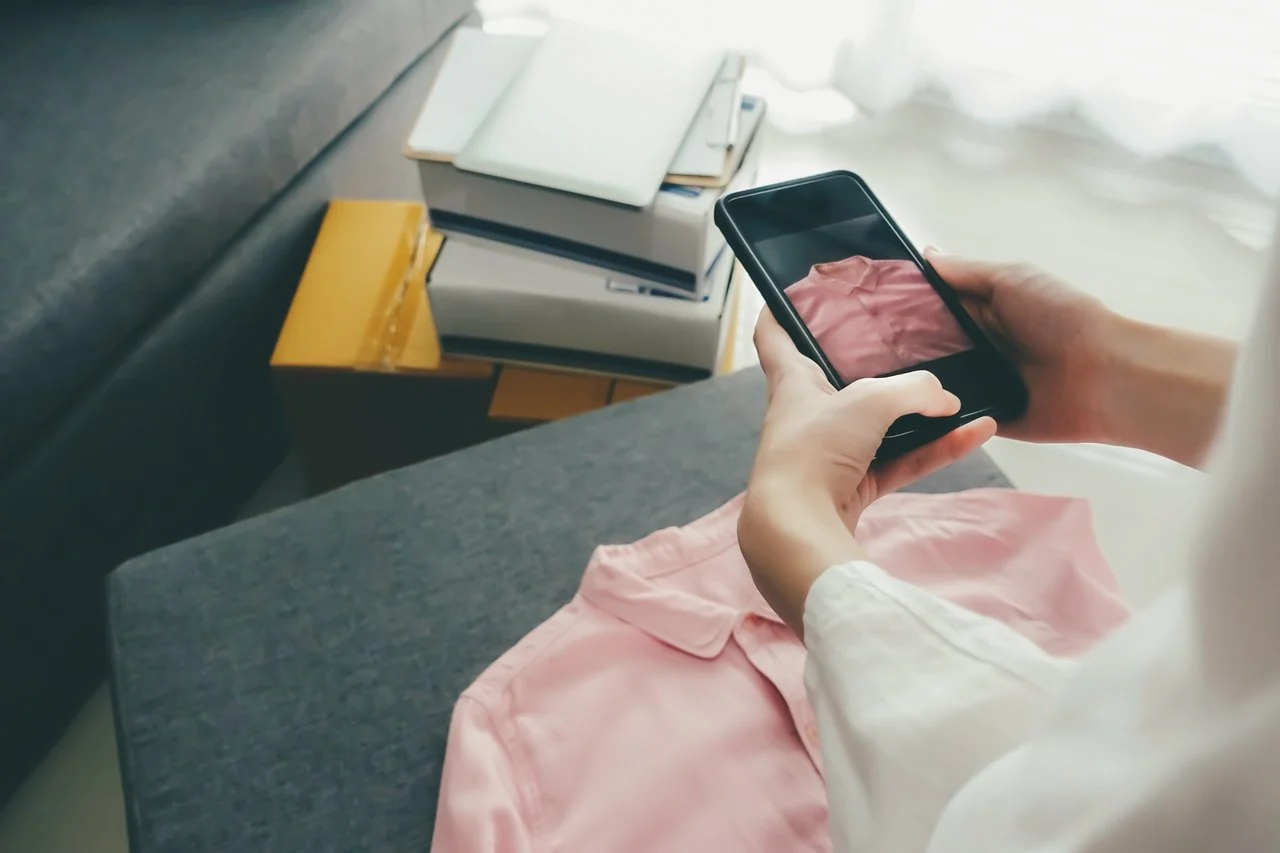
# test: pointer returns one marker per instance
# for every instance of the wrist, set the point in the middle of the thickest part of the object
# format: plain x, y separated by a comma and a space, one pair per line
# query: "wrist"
789, 537
1123, 366
1163, 389
797, 528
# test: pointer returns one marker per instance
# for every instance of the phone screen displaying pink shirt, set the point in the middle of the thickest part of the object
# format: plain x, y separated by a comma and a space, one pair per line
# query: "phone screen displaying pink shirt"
856, 286
872, 317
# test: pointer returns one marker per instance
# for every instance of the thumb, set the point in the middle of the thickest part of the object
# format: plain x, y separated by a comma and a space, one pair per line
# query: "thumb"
778, 355
923, 461
971, 278
889, 398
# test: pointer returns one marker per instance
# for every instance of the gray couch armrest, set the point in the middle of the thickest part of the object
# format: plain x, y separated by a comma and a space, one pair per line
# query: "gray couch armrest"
286, 684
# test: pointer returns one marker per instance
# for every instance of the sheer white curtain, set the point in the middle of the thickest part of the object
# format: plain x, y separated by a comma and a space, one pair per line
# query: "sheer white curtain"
1188, 77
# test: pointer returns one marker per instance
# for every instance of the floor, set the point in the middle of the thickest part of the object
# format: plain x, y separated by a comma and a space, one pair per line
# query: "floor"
1169, 242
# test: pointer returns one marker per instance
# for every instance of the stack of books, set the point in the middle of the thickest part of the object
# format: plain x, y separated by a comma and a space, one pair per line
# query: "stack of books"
573, 177
359, 368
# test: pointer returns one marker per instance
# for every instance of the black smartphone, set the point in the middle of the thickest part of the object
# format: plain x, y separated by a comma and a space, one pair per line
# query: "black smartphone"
859, 299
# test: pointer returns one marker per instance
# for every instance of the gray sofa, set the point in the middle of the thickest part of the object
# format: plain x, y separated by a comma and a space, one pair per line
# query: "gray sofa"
285, 684
165, 168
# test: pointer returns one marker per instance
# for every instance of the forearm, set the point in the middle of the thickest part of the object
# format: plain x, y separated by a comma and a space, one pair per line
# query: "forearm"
789, 542
1166, 389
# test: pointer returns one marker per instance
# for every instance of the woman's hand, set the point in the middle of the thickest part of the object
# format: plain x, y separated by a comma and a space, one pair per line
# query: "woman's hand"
1056, 335
1092, 374
814, 473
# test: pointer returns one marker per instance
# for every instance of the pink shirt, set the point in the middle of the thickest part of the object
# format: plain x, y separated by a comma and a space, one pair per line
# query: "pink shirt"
664, 707
875, 317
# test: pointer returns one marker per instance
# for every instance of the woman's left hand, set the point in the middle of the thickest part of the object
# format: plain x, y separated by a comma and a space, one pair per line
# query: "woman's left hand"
814, 472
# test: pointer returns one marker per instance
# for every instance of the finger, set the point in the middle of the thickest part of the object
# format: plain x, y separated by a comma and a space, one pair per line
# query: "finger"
779, 356
920, 463
981, 311
773, 345
972, 278
891, 397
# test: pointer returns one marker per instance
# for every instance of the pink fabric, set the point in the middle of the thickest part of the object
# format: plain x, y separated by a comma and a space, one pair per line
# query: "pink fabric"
664, 707
875, 317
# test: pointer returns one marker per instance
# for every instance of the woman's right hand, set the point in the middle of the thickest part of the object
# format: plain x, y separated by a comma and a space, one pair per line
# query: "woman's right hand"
1055, 334
1093, 375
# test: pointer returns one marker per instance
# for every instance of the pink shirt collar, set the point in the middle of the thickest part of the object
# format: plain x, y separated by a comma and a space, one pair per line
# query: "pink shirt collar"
850, 274
638, 587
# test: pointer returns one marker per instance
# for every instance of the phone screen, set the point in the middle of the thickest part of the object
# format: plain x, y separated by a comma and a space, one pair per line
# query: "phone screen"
864, 299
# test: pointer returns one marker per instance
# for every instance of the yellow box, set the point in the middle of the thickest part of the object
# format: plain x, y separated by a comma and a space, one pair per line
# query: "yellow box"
358, 362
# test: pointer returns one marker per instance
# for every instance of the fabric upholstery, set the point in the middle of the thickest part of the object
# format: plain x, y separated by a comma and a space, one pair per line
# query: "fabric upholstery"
286, 684
139, 137
168, 439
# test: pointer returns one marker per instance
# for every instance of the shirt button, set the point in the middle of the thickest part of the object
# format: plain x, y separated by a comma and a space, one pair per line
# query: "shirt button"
811, 729
752, 621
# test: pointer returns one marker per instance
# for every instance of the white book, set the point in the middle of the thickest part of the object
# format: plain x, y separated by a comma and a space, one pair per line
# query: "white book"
594, 112
714, 128
495, 301
477, 69
726, 109
672, 243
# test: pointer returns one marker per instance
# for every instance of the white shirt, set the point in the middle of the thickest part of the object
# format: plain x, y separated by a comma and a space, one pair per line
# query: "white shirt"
946, 732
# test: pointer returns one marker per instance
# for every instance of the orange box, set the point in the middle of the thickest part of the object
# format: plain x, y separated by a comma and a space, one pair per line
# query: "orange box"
634, 389
528, 396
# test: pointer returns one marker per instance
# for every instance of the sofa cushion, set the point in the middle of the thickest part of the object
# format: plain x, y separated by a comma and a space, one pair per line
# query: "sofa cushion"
139, 137
286, 684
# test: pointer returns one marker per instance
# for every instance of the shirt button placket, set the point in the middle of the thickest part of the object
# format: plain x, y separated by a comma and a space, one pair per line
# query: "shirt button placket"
759, 651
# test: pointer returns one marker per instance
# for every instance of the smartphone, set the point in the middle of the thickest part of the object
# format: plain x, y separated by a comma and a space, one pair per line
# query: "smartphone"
859, 299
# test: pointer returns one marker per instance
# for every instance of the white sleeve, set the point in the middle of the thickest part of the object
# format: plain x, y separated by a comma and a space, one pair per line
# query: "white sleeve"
913, 696
1168, 737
